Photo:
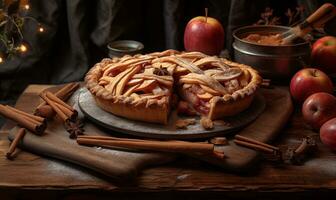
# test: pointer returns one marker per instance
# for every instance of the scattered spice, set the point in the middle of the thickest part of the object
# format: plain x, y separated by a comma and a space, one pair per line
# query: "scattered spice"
289, 155
161, 71
75, 128
298, 155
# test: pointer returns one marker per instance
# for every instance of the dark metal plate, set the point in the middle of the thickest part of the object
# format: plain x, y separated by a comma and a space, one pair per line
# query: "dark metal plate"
150, 130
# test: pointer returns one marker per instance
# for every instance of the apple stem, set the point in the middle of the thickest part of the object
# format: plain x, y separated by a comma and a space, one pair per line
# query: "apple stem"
206, 15
314, 72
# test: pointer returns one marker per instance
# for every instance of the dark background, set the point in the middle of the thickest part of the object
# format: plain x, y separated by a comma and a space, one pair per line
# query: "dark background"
77, 32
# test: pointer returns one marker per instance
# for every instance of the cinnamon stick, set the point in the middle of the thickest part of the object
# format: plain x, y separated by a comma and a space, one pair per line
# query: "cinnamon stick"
253, 146
59, 112
70, 114
64, 93
18, 136
24, 121
54, 98
164, 146
37, 118
44, 111
101, 137
252, 141
67, 91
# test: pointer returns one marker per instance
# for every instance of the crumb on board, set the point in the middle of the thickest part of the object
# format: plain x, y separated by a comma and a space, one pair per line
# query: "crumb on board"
218, 141
221, 123
183, 123
206, 123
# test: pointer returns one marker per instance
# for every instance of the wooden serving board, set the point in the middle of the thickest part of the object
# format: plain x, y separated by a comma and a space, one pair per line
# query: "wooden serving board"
125, 164
265, 128
103, 118
119, 165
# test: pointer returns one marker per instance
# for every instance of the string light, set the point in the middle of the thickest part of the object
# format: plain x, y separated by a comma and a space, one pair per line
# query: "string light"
23, 48
41, 29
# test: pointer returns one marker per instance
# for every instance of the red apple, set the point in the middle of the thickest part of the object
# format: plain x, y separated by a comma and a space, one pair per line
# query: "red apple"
328, 133
319, 108
309, 81
324, 54
204, 34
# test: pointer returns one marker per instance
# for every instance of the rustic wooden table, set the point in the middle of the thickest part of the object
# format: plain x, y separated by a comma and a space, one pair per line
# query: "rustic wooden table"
185, 178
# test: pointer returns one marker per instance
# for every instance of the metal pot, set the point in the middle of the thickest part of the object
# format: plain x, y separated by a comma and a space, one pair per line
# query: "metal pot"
274, 62
120, 48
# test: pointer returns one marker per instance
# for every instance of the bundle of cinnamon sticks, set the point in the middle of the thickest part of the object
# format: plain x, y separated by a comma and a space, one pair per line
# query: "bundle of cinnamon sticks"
63, 110
172, 146
45, 110
35, 124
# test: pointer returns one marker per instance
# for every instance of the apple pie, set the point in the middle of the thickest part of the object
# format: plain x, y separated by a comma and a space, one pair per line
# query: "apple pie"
142, 87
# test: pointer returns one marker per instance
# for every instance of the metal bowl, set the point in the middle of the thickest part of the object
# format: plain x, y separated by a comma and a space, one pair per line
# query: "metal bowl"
124, 47
274, 62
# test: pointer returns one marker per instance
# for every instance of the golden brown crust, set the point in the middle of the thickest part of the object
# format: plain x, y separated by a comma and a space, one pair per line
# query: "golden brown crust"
228, 87
153, 113
222, 109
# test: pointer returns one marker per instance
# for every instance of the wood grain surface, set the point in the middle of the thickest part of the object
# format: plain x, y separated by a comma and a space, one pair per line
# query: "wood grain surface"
186, 177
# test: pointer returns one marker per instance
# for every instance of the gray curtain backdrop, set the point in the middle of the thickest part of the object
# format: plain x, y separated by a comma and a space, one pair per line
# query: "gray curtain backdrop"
77, 32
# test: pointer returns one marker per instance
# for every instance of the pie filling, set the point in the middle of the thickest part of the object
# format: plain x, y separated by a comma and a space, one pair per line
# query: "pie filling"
192, 96
199, 95
152, 79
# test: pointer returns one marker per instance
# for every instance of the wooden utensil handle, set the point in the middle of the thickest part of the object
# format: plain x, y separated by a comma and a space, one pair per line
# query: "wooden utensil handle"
326, 12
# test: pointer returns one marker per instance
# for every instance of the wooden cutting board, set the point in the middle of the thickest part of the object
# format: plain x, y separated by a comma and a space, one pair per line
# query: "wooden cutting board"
55, 143
124, 164
265, 128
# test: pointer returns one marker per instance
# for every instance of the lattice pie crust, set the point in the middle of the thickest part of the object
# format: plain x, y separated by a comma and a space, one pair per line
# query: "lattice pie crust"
141, 87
